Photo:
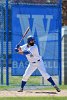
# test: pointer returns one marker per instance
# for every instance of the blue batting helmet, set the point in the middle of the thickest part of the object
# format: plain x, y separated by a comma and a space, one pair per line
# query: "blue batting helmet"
30, 38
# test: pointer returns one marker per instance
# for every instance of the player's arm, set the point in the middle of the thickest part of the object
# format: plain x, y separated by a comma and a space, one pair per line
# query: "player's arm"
19, 50
25, 52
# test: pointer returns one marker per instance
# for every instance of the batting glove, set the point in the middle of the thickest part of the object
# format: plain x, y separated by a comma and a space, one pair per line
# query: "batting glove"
16, 50
17, 46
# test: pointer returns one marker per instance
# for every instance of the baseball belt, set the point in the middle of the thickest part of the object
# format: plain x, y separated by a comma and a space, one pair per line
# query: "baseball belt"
37, 61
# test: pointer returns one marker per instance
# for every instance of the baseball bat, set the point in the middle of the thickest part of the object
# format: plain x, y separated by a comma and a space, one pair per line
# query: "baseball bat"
24, 35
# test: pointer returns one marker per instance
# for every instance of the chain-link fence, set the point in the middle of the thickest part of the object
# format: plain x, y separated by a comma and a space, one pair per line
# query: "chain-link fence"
15, 80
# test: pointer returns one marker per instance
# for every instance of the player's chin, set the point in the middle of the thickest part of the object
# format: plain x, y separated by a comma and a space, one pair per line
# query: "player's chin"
31, 44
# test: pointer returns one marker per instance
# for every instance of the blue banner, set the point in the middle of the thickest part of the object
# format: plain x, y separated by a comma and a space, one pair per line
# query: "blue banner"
44, 26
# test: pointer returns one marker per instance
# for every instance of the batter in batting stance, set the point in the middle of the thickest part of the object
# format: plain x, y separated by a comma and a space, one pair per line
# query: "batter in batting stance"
35, 62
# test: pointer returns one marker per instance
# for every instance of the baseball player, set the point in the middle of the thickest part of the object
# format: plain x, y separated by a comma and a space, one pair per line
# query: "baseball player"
35, 62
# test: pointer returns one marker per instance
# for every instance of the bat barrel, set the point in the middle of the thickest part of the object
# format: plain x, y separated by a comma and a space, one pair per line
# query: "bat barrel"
24, 35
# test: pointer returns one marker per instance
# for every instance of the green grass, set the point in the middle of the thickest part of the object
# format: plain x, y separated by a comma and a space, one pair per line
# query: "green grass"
15, 82
32, 80
33, 98
62, 87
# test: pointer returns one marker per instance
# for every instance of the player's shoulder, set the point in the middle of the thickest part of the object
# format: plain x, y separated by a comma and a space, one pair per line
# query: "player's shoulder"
35, 45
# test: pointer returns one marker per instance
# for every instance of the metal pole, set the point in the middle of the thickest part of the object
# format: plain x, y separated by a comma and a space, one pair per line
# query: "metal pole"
60, 24
2, 40
7, 68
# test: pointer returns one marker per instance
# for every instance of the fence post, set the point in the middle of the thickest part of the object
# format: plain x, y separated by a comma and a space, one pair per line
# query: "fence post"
7, 68
59, 36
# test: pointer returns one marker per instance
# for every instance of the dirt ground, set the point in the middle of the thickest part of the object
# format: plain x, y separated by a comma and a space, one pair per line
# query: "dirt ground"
28, 93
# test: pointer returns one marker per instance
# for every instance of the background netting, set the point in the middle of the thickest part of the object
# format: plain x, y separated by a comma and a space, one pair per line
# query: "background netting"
51, 51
